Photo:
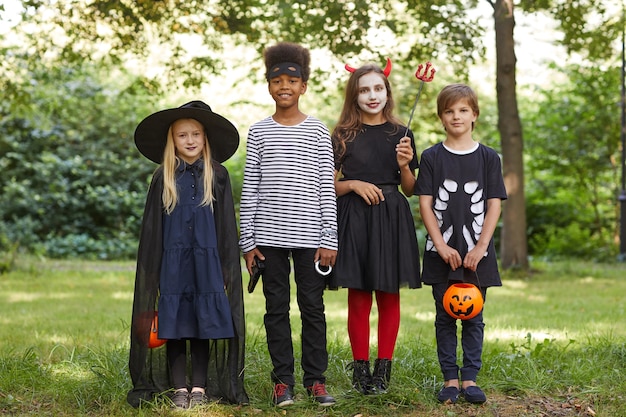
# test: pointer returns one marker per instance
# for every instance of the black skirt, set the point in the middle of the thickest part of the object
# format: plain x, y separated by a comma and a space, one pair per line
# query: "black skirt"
377, 244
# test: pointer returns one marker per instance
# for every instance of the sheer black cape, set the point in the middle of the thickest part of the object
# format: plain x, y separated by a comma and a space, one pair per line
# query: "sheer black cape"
148, 367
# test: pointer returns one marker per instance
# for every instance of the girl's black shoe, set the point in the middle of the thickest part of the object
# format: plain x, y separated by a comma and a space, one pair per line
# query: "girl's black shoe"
282, 395
180, 399
361, 376
381, 375
197, 399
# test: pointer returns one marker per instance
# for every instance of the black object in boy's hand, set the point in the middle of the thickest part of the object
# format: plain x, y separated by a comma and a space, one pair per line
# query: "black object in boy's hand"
257, 270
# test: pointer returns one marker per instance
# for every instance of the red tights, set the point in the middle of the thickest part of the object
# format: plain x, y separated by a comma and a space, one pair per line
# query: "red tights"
359, 308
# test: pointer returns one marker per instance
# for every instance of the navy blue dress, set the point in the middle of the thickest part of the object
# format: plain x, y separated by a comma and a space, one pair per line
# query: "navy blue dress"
192, 301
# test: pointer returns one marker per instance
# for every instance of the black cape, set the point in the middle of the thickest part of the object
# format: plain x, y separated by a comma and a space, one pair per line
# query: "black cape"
148, 367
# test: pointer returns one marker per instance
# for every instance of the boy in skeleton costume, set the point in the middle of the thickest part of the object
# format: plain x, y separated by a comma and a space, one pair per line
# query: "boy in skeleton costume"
461, 188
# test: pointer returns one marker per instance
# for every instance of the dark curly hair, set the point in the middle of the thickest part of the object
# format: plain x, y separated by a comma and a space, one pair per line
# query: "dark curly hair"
287, 52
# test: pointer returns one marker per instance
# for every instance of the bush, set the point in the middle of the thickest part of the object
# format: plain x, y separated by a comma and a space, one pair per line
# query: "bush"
73, 183
8, 253
574, 241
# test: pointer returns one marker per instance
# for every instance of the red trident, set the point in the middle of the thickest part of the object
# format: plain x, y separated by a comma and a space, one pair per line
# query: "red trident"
424, 77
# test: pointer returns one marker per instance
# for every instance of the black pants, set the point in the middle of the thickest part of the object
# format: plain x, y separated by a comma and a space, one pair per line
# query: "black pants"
177, 361
472, 334
310, 290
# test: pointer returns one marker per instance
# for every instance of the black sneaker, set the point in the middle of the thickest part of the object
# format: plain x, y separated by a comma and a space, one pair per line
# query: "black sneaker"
474, 395
197, 399
448, 395
319, 394
180, 399
282, 395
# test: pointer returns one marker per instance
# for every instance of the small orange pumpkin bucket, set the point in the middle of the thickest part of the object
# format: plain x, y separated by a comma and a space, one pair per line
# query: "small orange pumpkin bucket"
145, 319
463, 301
154, 341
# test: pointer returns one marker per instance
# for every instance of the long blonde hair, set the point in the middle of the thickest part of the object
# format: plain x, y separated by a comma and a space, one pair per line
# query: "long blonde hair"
171, 162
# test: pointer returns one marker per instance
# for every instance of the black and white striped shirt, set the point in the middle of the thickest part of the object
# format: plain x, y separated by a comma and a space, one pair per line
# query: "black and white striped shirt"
288, 198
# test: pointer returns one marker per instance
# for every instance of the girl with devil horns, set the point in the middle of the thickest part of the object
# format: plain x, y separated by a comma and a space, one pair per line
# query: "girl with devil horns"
378, 251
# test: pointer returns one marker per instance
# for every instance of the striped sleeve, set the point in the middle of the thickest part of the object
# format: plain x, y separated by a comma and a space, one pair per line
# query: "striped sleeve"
288, 197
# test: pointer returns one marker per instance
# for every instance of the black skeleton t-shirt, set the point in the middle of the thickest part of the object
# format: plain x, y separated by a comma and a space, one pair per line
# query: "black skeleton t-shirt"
460, 184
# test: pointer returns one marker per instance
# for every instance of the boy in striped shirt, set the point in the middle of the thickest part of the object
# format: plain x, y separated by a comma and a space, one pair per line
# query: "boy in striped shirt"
288, 209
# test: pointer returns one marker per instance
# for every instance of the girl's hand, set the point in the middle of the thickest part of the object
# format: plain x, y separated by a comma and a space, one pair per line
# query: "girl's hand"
404, 152
368, 192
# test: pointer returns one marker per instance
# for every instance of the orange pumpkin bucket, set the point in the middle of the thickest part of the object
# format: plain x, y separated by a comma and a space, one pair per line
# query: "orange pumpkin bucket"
151, 340
463, 301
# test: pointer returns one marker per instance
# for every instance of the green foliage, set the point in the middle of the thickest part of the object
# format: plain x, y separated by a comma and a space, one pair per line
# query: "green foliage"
114, 30
572, 174
8, 251
589, 36
588, 26
73, 183
573, 240
441, 30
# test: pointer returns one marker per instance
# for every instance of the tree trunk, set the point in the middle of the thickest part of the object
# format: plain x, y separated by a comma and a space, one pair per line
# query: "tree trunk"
514, 245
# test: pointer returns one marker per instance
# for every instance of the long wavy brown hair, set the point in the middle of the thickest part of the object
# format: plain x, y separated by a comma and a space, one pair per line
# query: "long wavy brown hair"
349, 124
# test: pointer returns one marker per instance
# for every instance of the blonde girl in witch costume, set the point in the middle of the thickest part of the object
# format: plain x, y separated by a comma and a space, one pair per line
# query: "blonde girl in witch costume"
188, 264
378, 250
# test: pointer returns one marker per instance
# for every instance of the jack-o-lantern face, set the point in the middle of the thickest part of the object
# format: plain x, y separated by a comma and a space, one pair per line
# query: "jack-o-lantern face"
148, 320
463, 301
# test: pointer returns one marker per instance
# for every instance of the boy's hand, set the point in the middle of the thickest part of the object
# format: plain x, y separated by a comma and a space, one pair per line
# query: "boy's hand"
249, 258
326, 257
450, 256
473, 258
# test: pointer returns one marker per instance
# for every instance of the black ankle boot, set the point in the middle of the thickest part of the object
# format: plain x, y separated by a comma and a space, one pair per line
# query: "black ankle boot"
361, 376
381, 375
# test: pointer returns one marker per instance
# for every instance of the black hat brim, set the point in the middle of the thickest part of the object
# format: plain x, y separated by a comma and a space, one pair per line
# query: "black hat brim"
151, 133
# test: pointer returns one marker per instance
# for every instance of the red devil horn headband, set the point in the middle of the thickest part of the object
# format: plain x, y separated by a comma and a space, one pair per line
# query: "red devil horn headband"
386, 71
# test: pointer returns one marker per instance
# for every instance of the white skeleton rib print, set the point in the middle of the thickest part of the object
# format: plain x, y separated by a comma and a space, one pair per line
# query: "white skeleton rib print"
471, 233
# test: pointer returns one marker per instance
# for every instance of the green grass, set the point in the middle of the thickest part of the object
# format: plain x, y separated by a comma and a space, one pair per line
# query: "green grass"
555, 344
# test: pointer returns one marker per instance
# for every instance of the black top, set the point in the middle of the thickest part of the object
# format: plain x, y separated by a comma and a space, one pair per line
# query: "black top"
370, 155
377, 243
460, 184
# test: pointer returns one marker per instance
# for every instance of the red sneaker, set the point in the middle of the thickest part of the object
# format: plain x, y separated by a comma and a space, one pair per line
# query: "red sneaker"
319, 394
282, 395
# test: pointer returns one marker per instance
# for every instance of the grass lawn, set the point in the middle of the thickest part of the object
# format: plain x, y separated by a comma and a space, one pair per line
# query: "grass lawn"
555, 345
